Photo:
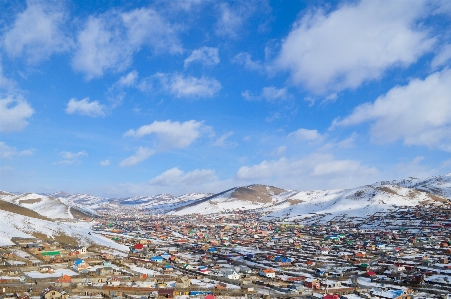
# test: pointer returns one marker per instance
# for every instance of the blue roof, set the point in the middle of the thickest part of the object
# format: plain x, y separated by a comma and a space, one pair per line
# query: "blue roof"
78, 262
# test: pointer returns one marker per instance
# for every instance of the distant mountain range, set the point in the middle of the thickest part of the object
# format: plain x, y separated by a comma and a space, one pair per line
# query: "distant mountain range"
275, 203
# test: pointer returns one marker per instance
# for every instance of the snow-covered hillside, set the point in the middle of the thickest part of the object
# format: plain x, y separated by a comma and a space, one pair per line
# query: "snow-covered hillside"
357, 202
155, 204
240, 198
15, 225
44, 205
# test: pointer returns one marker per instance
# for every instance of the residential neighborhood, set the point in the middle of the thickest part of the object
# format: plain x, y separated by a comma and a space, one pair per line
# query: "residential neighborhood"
403, 253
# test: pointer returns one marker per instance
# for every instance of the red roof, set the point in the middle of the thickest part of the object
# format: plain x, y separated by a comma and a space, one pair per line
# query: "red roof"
139, 246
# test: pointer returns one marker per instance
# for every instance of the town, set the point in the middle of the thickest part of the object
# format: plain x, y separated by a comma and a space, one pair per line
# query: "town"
399, 254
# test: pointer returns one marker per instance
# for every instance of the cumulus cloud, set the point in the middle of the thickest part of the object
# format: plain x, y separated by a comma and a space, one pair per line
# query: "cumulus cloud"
172, 134
14, 114
175, 176
357, 42
37, 32
306, 135
84, 107
141, 154
419, 113
206, 55
187, 86
108, 41
70, 158
9, 152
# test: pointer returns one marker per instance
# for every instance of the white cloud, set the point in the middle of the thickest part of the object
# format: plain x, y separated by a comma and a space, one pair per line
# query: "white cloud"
70, 158
37, 32
105, 163
270, 94
9, 152
418, 113
353, 44
109, 41
172, 134
176, 177
222, 141
245, 59
141, 154
306, 135
128, 80
84, 107
206, 55
442, 58
14, 113
312, 172
187, 86
232, 17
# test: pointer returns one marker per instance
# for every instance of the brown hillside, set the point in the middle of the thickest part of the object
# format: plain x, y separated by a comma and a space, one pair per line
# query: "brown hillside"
256, 193
79, 214
9, 207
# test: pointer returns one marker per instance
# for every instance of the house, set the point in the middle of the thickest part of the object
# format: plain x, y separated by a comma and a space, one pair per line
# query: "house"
64, 279
312, 283
157, 259
331, 284
269, 273
397, 268
81, 265
81, 250
370, 274
231, 274
52, 293
323, 250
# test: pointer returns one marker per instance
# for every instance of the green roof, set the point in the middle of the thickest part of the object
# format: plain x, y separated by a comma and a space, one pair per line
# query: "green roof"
50, 253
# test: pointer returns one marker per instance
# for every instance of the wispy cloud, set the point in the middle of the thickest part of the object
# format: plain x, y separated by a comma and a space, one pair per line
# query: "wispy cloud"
140, 155
70, 158
206, 55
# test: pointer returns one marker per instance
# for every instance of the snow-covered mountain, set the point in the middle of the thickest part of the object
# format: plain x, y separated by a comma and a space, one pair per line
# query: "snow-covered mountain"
357, 202
277, 203
239, 198
155, 204
44, 205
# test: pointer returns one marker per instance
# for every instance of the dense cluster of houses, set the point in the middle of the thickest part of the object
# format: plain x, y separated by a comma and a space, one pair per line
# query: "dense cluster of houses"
399, 254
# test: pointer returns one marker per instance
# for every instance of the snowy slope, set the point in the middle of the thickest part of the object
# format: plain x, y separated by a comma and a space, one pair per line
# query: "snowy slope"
44, 205
160, 204
14, 225
357, 202
436, 185
239, 198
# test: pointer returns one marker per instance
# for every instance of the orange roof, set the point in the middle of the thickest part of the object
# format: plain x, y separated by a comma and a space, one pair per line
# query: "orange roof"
64, 278
268, 271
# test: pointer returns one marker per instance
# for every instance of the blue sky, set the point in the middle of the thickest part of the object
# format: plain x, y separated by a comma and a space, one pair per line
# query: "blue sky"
115, 98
